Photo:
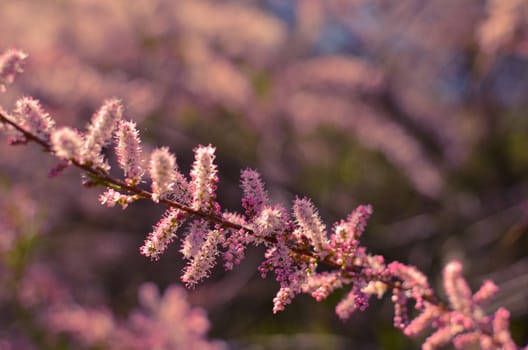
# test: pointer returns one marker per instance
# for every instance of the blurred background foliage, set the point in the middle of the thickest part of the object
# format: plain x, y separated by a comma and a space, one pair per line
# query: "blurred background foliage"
419, 108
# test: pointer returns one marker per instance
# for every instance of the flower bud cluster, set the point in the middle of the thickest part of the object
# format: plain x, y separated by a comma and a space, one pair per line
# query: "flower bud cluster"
236, 243
204, 177
99, 132
30, 115
465, 324
67, 143
162, 172
86, 148
310, 225
112, 197
163, 233
196, 235
204, 260
254, 195
128, 151
355, 299
345, 239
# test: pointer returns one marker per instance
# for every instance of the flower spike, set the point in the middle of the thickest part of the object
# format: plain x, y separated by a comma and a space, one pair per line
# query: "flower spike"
310, 225
295, 247
163, 234
100, 131
162, 169
10, 65
204, 179
128, 151
67, 143
32, 118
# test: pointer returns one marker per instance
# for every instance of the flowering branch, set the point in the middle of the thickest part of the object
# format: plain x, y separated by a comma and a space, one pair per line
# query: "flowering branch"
295, 246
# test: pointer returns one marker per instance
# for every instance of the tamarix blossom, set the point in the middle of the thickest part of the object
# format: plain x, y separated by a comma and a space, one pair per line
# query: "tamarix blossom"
204, 179
128, 151
310, 225
10, 65
255, 196
100, 130
31, 117
163, 233
162, 169
297, 242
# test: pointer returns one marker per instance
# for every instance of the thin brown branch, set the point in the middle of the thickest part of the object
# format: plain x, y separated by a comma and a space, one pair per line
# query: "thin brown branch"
104, 178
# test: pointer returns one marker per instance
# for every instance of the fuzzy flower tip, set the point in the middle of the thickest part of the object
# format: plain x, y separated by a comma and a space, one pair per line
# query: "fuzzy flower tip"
270, 220
162, 170
422, 321
320, 285
284, 297
31, 117
101, 128
310, 225
128, 151
486, 292
346, 306
196, 235
204, 261
411, 279
358, 219
438, 339
112, 197
67, 143
180, 189
354, 300
163, 233
10, 65
204, 179
255, 196
501, 332
456, 287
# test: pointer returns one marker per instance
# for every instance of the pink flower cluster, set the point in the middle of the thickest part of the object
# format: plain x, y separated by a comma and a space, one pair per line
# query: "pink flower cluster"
162, 321
462, 322
10, 65
296, 244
